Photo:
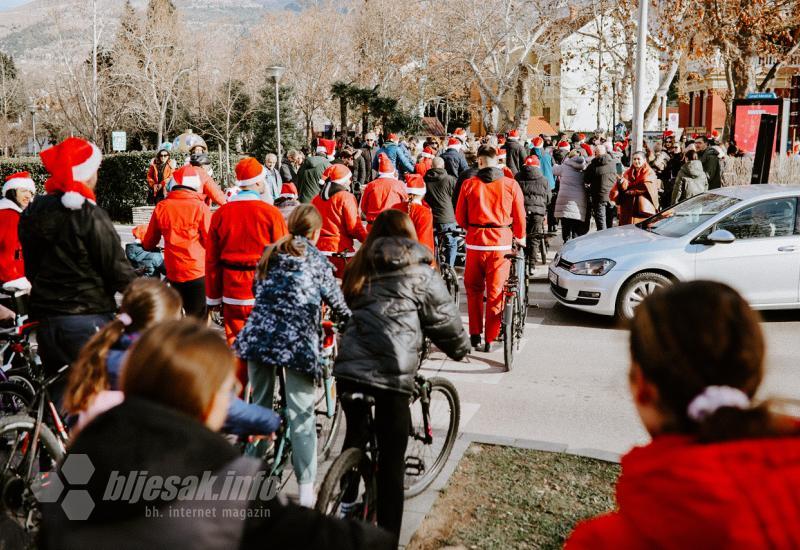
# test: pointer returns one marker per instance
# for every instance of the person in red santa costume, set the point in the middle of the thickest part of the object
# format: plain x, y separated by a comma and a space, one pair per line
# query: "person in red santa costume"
341, 223
182, 219
382, 193
492, 210
425, 160
239, 232
18, 191
416, 208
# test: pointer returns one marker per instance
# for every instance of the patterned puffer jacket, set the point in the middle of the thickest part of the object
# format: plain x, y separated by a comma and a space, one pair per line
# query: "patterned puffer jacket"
284, 328
402, 303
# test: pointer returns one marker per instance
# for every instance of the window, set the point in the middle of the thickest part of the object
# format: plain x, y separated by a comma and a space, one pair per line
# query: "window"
546, 113
688, 215
775, 218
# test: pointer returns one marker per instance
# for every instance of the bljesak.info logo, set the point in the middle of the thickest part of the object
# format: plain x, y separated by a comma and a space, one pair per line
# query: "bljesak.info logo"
207, 495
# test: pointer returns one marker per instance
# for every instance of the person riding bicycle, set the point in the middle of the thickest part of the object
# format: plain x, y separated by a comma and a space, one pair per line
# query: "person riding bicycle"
384, 192
440, 188
178, 379
92, 386
18, 192
397, 300
292, 280
419, 212
341, 223
536, 193
492, 211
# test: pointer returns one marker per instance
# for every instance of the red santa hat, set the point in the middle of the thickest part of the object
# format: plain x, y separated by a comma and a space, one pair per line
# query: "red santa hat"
507, 172
563, 146
327, 146
460, 134
588, 148
249, 172
385, 166
188, 176
71, 164
427, 153
338, 173
581, 136
501, 155
538, 142
415, 184
20, 180
454, 143
501, 139
532, 160
288, 191
714, 135
392, 137
667, 133
513, 134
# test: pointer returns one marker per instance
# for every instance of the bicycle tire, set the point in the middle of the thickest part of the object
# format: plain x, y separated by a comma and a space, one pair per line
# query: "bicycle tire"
351, 462
15, 398
508, 331
451, 395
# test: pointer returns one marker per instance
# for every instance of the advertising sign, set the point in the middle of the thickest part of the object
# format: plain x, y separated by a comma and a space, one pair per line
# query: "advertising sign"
119, 141
747, 118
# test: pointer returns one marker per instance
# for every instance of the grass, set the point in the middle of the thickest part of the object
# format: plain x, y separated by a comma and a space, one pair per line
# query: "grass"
503, 497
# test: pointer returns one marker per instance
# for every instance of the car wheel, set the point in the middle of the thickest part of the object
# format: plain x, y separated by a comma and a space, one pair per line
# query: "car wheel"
636, 290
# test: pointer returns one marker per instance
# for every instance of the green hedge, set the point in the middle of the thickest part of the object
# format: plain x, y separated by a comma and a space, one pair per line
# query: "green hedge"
121, 182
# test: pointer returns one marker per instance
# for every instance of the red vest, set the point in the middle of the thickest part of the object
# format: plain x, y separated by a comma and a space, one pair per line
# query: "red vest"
12, 266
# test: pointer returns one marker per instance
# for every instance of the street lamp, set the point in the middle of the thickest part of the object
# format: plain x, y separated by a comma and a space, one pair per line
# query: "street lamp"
641, 68
32, 110
275, 72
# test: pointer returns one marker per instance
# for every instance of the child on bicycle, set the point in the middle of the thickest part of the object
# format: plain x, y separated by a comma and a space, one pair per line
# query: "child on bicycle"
92, 386
397, 300
293, 279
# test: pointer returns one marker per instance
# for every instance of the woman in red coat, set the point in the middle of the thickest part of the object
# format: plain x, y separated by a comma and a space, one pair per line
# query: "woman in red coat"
722, 470
636, 193
18, 191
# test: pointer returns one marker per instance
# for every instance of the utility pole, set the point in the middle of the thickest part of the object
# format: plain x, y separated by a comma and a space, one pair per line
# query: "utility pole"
641, 66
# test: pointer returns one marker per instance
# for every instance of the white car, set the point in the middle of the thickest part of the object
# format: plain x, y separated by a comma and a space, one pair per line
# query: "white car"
747, 237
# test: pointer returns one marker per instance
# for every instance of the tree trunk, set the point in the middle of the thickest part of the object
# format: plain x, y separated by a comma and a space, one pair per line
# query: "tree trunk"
652, 108
343, 115
728, 100
522, 101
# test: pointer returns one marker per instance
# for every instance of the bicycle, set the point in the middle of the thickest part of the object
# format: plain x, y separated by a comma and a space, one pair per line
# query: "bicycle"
446, 270
515, 305
20, 363
435, 416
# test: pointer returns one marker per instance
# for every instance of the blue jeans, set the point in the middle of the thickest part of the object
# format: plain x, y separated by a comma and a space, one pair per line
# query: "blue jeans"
450, 242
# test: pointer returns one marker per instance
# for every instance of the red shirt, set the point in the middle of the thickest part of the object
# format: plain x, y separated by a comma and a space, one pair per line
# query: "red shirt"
341, 224
422, 216
12, 266
381, 194
491, 212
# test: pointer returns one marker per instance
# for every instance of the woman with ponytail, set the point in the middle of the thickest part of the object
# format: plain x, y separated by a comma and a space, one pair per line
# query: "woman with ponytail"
723, 469
293, 278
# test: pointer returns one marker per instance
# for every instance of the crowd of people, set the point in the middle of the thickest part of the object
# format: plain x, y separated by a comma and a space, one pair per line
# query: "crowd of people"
143, 380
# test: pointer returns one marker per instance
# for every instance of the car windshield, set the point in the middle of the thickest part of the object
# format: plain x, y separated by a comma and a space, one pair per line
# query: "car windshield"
688, 215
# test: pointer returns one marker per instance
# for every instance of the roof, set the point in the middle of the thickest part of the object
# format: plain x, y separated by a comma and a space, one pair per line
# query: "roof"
538, 125
744, 192
432, 126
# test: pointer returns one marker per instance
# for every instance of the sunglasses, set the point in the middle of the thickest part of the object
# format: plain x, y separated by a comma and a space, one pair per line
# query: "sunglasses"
164, 155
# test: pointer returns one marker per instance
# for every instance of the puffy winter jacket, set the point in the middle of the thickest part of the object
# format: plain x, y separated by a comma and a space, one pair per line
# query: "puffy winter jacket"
404, 301
454, 162
691, 181
535, 190
572, 197
546, 164
440, 189
73, 258
601, 175
516, 153
399, 155
309, 175
710, 160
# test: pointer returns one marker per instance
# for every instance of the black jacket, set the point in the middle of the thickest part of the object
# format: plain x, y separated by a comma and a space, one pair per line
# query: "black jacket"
454, 162
368, 154
601, 175
535, 189
515, 155
710, 160
73, 258
402, 303
360, 172
440, 187
143, 436
288, 172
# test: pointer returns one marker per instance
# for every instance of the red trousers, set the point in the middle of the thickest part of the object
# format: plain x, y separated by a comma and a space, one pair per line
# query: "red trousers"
234, 319
485, 273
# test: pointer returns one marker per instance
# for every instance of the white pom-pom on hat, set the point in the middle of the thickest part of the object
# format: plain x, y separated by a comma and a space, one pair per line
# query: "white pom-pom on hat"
73, 200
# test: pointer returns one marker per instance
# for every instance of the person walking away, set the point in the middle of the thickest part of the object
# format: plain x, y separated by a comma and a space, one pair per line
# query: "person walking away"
273, 182
292, 281
397, 300
454, 160
183, 219
492, 211
287, 201
600, 176
384, 192
369, 151
722, 468
636, 192
158, 175
237, 236
210, 191
536, 194
425, 161
291, 164
397, 154
341, 222
177, 381
18, 192
440, 188
419, 212
309, 175
709, 157
73, 256
545, 161
572, 201
516, 152
691, 179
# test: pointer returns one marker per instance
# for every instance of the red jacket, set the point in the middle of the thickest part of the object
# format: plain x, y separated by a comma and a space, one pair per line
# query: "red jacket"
12, 267
381, 194
678, 494
422, 216
341, 224
211, 192
239, 232
182, 219
491, 208
423, 166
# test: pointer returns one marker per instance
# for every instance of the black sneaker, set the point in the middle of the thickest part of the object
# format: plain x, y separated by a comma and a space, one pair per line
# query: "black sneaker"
475, 341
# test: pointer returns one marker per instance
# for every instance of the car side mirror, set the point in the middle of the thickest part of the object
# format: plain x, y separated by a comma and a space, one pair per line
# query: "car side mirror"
720, 236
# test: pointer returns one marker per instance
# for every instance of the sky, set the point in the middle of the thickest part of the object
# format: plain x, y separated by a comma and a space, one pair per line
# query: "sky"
8, 4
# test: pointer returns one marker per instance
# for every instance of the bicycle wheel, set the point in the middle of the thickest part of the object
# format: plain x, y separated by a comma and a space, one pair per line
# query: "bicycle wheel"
428, 452
350, 472
327, 427
15, 398
509, 313
451, 280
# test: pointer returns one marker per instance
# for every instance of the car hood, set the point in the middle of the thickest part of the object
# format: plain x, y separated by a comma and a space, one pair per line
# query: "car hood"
611, 243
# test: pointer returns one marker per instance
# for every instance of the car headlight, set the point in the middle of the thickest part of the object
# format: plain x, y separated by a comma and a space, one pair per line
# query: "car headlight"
592, 267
